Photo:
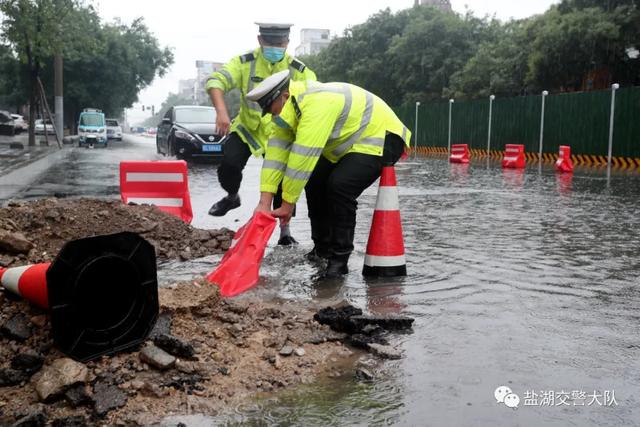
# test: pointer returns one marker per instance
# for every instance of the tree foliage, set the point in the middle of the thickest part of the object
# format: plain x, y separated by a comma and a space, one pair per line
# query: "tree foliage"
36, 31
105, 65
121, 61
423, 53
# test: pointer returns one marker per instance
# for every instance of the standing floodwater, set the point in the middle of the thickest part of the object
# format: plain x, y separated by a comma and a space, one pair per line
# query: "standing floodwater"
524, 279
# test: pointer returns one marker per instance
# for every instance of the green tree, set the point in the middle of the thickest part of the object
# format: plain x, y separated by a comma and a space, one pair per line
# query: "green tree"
569, 45
432, 48
360, 56
36, 30
581, 36
113, 68
105, 65
404, 56
12, 87
500, 66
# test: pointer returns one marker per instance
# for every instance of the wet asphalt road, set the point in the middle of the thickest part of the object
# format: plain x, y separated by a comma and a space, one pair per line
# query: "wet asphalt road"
522, 279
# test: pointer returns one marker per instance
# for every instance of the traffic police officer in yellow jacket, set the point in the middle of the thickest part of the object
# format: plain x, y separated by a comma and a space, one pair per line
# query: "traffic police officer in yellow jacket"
249, 132
332, 140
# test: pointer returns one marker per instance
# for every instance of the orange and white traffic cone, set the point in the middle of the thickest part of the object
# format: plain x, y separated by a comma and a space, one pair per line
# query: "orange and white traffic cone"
385, 249
101, 291
28, 282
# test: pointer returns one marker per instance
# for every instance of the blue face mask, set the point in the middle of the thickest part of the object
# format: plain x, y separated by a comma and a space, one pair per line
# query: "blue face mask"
273, 54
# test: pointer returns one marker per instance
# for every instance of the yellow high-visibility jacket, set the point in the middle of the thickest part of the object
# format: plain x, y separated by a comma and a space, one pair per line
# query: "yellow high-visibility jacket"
244, 72
328, 119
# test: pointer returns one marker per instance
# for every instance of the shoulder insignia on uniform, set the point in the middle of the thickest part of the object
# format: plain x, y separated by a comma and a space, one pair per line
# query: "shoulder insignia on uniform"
296, 106
247, 57
297, 65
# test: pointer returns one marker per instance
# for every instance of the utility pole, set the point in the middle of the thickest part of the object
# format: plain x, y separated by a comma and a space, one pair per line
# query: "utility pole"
58, 93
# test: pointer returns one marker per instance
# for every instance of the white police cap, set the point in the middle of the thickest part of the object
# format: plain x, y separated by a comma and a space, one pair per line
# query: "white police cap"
269, 89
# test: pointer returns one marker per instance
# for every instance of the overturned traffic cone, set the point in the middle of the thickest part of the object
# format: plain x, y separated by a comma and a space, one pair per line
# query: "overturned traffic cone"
564, 162
102, 293
385, 249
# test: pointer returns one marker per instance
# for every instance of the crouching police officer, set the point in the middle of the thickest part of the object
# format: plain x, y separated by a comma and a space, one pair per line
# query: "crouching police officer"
331, 140
249, 132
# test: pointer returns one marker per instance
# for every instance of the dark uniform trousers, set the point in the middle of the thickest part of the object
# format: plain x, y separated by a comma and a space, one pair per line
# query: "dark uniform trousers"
236, 155
332, 193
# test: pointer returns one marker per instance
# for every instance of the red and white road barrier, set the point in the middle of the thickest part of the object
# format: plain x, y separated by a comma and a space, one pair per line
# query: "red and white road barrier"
514, 156
564, 162
28, 282
385, 249
459, 153
164, 184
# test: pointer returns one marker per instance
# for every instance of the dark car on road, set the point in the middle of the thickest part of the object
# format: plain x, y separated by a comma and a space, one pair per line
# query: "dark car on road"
7, 125
189, 131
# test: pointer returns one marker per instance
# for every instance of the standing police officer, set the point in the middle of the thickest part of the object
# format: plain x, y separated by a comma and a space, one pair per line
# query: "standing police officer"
249, 132
332, 140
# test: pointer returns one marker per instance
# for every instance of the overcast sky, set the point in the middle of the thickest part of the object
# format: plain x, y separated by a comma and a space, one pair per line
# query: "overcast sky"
218, 30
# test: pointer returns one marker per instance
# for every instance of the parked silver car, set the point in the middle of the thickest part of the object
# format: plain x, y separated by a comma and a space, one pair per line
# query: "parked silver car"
114, 131
19, 123
39, 127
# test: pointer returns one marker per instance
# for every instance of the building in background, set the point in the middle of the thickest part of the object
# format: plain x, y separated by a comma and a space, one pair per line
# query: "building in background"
186, 89
444, 5
204, 68
313, 40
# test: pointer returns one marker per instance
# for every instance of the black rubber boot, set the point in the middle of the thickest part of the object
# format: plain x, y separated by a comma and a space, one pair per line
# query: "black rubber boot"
287, 240
317, 254
340, 248
321, 236
337, 267
224, 205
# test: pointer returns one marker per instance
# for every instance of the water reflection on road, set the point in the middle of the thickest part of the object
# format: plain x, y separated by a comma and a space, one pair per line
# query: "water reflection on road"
527, 279
516, 278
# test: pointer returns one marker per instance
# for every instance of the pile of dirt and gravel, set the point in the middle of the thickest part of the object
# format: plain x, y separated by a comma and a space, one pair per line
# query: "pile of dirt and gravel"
205, 353
35, 231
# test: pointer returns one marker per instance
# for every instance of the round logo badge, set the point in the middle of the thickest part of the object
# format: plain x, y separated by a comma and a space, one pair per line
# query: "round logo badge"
211, 139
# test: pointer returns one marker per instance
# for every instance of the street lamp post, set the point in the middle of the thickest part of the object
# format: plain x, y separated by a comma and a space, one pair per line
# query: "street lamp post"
415, 153
614, 88
544, 97
491, 99
451, 101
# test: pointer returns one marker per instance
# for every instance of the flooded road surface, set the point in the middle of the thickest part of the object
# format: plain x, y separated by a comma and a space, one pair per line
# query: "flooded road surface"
524, 279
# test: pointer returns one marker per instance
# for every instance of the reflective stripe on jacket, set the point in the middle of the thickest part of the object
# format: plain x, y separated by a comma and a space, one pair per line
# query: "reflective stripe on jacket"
328, 119
244, 72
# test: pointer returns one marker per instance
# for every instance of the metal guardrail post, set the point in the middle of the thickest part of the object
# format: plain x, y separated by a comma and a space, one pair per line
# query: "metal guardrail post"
451, 101
415, 152
544, 97
614, 88
491, 98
